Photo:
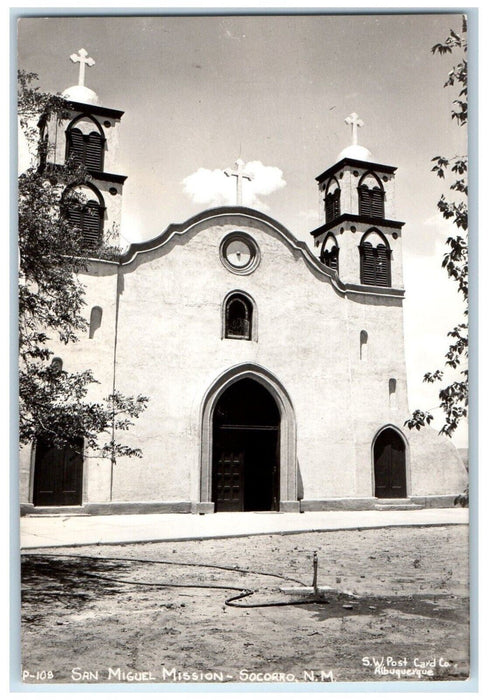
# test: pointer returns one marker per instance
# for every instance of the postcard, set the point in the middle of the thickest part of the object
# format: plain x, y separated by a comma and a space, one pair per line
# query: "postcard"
243, 346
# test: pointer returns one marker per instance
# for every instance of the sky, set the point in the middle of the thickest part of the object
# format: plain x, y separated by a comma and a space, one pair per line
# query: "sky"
200, 92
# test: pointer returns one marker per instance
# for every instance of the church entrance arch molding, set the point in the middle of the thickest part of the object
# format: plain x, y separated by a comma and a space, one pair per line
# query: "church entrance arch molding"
287, 430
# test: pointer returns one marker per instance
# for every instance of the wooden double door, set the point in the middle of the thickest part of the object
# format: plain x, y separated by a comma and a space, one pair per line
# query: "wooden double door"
245, 469
58, 475
389, 465
246, 474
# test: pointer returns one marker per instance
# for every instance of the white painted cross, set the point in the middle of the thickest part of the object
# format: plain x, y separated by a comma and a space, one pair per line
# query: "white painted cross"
84, 60
240, 176
354, 121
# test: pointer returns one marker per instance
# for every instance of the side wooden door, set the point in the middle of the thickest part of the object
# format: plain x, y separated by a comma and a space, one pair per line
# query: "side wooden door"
389, 466
58, 475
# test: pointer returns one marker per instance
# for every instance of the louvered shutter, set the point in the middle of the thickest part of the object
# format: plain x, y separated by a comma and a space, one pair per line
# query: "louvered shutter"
76, 146
383, 269
336, 203
91, 224
94, 151
329, 208
377, 203
75, 217
364, 201
375, 265
368, 264
332, 205
371, 202
86, 149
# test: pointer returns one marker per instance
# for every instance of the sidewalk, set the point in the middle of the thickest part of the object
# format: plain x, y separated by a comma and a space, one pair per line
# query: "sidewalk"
64, 530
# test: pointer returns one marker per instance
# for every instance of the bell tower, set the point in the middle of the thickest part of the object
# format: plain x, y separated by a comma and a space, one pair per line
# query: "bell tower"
360, 239
88, 134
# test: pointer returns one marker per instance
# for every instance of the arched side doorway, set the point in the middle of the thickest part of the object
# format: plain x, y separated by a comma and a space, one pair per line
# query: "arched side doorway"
248, 456
58, 475
389, 457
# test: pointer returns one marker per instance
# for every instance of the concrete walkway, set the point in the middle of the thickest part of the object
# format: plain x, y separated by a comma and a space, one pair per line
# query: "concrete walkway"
63, 530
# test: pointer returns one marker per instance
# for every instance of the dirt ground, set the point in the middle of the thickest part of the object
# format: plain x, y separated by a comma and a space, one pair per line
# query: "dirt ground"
400, 609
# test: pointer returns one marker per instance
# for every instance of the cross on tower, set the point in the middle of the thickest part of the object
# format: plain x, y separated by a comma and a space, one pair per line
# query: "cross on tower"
240, 176
354, 121
84, 60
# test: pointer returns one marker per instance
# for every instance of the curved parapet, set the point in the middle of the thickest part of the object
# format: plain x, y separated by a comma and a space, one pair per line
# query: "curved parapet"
239, 215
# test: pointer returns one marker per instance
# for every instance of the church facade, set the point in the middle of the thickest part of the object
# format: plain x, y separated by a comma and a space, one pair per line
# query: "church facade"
276, 375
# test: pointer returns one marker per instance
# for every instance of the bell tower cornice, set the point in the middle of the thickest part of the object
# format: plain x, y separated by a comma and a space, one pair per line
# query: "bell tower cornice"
97, 110
353, 163
356, 219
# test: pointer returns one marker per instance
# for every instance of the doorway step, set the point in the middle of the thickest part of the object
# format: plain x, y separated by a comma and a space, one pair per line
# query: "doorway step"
396, 504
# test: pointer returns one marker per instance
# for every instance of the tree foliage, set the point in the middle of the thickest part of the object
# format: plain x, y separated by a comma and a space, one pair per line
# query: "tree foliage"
53, 402
453, 396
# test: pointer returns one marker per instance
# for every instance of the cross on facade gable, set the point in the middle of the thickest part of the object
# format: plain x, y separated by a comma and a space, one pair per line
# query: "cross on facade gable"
354, 121
84, 60
239, 175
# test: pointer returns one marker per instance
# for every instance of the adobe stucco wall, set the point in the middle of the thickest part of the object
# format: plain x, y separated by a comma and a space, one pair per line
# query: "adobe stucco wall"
97, 354
170, 346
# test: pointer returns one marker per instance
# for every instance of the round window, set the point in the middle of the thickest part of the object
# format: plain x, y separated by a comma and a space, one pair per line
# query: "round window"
239, 253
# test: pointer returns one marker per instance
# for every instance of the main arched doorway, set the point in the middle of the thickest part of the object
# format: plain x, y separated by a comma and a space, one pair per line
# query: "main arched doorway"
390, 477
246, 449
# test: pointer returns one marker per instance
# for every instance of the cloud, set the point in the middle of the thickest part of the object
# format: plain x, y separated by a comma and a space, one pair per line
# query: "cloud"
426, 236
440, 227
209, 187
428, 239
436, 221
313, 216
214, 188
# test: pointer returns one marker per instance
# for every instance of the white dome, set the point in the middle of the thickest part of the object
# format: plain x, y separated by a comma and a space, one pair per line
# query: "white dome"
80, 93
356, 152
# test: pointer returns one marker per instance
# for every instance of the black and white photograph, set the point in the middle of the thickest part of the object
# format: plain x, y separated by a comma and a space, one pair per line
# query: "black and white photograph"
243, 349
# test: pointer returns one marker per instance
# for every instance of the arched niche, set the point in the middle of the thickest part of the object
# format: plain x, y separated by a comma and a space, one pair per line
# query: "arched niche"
363, 345
239, 316
95, 320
